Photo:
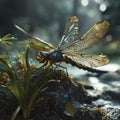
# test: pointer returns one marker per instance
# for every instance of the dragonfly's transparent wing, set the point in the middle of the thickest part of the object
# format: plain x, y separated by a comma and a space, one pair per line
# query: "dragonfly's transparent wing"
90, 38
34, 37
71, 30
90, 60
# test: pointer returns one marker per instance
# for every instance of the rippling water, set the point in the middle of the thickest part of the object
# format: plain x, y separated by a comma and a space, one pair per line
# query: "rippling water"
107, 86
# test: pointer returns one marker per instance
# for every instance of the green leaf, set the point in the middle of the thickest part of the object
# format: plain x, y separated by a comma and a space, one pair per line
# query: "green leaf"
15, 113
70, 110
8, 37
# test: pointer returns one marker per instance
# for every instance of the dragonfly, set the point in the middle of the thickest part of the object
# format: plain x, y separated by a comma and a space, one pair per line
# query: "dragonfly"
70, 45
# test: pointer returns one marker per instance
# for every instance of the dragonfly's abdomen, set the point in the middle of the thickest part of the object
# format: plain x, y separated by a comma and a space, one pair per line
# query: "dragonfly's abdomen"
74, 63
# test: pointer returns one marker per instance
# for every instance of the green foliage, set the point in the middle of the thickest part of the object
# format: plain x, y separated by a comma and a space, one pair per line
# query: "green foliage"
70, 110
25, 82
5, 42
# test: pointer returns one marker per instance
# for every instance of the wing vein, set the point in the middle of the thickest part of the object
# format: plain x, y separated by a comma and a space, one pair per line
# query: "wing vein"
90, 38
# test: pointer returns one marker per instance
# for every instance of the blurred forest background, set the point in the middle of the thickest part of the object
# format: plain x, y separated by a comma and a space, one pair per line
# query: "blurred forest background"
46, 19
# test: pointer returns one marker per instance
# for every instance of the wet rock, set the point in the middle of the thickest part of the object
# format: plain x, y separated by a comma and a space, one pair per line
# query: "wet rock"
110, 76
89, 113
88, 87
114, 95
101, 102
112, 113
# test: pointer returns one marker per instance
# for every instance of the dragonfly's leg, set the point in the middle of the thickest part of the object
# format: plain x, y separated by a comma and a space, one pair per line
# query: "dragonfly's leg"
37, 71
46, 65
58, 65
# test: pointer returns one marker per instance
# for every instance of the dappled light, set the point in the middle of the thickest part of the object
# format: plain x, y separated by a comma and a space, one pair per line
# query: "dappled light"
59, 60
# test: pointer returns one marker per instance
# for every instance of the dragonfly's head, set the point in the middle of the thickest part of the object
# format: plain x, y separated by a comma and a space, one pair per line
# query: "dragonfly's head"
42, 56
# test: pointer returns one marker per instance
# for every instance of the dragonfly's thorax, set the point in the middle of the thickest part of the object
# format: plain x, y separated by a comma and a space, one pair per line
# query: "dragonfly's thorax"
53, 55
